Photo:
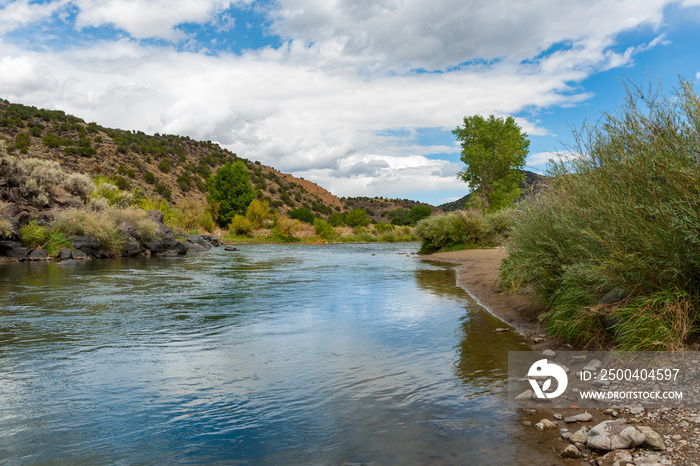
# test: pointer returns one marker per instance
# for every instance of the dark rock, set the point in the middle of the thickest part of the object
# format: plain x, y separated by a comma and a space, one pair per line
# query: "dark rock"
79, 255
23, 217
131, 247
200, 241
195, 247
87, 244
612, 297
13, 250
230, 248
64, 254
211, 239
38, 255
156, 215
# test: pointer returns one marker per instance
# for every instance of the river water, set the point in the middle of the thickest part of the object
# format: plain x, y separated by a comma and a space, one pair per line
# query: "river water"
276, 354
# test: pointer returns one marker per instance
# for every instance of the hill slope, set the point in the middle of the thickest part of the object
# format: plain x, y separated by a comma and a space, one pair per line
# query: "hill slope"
173, 167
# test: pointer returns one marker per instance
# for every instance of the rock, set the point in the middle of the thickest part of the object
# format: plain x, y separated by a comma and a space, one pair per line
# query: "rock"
79, 255
558, 416
156, 215
194, 247
526, 423
545, 424
230, 248
538, 340
177, 249
549, 353
651, 460
200, 241
212, 240
614, 435
13, 250
570, 453
38, 255
615, 458
64, 254
636, 410
583, 417
579, 436
87, 244
131, 247
653, 440
500, 330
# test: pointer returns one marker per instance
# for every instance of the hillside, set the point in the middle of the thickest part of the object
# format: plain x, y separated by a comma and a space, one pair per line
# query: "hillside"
530, 184
172, 167
378, 208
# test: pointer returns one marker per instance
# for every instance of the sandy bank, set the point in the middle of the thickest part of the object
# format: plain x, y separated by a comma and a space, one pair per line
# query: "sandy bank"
477, 272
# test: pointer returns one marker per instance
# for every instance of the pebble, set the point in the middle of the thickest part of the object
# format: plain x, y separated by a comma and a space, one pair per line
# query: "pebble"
545, 424
583, 417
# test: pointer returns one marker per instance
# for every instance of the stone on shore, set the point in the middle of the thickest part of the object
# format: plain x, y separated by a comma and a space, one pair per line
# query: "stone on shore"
615, 458
38, 255
614, 435
583, 417
579, 436
653, 440
545, 424
571, 452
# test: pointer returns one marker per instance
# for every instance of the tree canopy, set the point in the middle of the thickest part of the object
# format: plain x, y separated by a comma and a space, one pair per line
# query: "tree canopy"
231, 190
494, 151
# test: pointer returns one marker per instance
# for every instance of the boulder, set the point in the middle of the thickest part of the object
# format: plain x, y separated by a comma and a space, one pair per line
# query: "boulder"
38, 255
212, 240
653, 440
156, 215
614, 435
64, 254
615, 458
230, 248
583, 417
579, 436
13, 250
195, 246
200, 241
77, 254
570, 453
88, 245
545, 424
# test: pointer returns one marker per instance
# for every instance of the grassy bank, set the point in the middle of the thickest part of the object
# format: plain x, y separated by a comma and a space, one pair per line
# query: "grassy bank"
612, 244
464, 229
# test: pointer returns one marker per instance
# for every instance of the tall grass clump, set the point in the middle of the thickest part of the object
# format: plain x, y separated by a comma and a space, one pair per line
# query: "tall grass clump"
463, 229
101, 225
612, 244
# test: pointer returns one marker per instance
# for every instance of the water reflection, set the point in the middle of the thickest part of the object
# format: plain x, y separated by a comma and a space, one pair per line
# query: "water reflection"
274, 355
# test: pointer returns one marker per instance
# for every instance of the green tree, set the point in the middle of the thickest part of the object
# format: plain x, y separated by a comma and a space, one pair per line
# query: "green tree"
231, 189
494, 151
356, 218
303, 213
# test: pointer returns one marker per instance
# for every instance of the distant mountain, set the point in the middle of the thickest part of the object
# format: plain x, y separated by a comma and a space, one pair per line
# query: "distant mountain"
378, 208
530, 183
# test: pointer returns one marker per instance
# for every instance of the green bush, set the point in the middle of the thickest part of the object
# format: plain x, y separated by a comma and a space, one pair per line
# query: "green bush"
240, 225
33, 235
324, 230
302, 213
164, 165
454, 230
149, 178
623, 218
356, 218
336, 219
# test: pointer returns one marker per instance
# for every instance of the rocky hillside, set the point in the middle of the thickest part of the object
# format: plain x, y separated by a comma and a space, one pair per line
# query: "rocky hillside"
173, 167
530, 184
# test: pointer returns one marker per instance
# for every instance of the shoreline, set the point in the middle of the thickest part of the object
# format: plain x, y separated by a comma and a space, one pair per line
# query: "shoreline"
477, 274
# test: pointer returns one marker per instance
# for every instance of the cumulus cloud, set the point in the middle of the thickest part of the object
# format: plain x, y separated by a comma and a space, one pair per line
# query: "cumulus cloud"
324, 104
152, 18
16, 14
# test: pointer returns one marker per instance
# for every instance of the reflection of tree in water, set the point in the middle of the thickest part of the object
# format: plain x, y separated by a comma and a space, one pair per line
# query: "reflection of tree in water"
483, 355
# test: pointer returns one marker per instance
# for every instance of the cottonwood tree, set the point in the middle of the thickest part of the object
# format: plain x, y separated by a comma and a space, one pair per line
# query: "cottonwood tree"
494, 151
230, 189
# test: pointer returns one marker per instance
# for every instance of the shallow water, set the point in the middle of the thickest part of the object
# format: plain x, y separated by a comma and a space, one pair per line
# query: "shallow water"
277, 354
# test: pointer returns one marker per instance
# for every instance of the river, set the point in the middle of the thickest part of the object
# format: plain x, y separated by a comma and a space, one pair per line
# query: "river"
276, 354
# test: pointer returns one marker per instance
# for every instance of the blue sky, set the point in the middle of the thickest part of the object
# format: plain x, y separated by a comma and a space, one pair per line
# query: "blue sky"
359, 96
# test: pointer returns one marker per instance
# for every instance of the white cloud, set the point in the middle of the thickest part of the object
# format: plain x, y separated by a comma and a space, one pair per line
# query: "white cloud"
21, 13
320, 105
152, 18
449, 32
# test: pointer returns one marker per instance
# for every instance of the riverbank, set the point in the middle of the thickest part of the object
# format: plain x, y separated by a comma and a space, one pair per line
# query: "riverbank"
477, 272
